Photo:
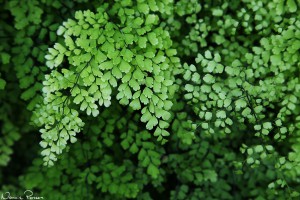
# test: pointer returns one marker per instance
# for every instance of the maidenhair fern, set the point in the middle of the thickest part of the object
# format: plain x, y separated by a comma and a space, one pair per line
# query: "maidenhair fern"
99, 60
150, 99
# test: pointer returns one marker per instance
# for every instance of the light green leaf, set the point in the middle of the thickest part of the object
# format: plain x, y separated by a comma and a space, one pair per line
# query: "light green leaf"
221, 114
152, 38
135, 104
240, 103
138, 75
5, 58
208, 116
116, 72
211, 66
151, 123
142, 42
153, 171
267, 125
292, 5
127, 55
209, 79
150, 19
100, 57
2, 84
106, 65
189, 87
125, 66
207, 54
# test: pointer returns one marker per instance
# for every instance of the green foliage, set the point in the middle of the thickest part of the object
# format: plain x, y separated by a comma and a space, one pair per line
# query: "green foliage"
2, 84
150, 99
103, 56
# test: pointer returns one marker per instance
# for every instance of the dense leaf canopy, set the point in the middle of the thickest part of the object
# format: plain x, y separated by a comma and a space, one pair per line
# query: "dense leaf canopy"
150, 99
